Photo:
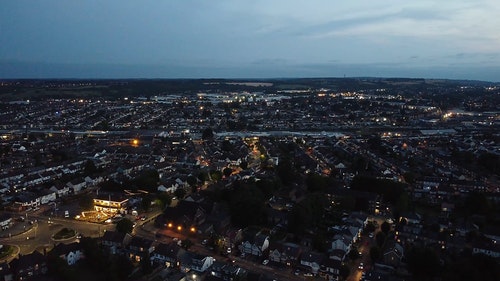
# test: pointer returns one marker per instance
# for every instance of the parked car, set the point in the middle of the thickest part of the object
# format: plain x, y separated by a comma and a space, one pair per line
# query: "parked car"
265, 262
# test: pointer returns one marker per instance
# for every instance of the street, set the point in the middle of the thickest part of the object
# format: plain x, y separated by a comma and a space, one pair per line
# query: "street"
39, 237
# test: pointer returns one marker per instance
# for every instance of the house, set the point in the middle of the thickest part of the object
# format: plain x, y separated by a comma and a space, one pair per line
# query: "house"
5, 221
77, 185
197, 262
138, 248
6, 272
110, 203
71, 253
60, 190
337, 254
284, 253
341, 242
29, 267
185, 215
254, 244
313, 260
114, 241
487, 247
392, 254
27, 200
357, 219
411, 218
225, 271
46, 196
330, 269
167, 254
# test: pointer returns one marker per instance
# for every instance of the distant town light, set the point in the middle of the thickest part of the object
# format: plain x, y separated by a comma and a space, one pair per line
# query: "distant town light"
135, 142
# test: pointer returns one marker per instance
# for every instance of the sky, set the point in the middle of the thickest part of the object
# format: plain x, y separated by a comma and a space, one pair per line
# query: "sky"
455, 39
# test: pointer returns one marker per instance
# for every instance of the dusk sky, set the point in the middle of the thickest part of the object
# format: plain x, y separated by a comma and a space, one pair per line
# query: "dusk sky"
457, 39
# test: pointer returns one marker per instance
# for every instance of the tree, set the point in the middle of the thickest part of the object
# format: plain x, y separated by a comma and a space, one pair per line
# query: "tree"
385, 227
316, 182
119, 269
180, 193
380, 239
490, 162
344, 271
227, 172
390, 190
146, 263
320, 242
124, 226
375, 253
146, 203
148, 180
402, 205
216, 175
207, 134
187, 243
354, 253
477, 203
423, 263
163, 200
409, 177
95, 258
244, 165
60, 268
226, 146
89, 168
286, 171
370, 227
473, 267
86, 203
191, 180
203, 177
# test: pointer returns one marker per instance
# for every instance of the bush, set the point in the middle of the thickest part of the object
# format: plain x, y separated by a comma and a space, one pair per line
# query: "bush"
64, 233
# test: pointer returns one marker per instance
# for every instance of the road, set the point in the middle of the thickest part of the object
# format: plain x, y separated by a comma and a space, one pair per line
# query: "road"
39, 237
146, 229
364, 245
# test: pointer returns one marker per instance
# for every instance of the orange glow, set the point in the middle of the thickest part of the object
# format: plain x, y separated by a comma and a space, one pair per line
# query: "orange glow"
179, 228
135, 142
169, 225
193, 229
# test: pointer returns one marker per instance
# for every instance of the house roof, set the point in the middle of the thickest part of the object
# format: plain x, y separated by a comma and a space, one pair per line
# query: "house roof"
29, 260
140, 242
168, 250
5, 217
113, 236
290, 249
393, 247
63, 249
5, 270
311, 256
185, 210
331, 263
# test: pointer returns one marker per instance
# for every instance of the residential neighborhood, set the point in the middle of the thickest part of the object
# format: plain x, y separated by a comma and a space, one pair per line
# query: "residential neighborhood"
261, 183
